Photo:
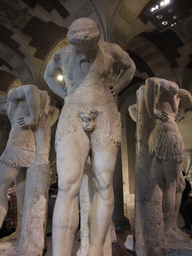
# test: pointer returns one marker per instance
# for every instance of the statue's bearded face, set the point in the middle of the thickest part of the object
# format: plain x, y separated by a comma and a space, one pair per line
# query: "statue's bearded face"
83, 31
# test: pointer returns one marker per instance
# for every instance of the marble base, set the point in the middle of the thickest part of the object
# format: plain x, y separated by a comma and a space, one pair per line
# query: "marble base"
174, 250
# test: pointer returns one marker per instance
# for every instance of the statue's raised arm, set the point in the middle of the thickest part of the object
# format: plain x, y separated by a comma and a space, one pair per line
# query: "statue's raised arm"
126, 66
52, 71
153, 87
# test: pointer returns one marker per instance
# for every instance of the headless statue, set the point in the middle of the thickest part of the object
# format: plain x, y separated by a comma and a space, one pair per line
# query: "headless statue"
24, 107
160, 152
89, 124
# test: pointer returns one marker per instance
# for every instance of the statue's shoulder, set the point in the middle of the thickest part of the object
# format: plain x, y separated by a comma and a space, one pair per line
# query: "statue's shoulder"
111, 48
64, 52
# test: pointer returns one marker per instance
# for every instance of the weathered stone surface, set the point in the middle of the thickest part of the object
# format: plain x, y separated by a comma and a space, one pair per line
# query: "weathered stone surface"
31, 117
160, 152
89, 125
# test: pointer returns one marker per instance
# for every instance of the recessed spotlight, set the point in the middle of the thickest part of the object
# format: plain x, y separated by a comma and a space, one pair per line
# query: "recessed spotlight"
170, 10
164, 23
152, 9
175, 17
159, 17
167, 2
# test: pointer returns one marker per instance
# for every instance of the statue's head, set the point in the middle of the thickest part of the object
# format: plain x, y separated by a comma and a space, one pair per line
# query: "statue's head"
83, 31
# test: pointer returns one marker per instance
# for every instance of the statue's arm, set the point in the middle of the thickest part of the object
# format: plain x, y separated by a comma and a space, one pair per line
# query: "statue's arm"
32, 96
53, 69
174, 96
133, 112
152, 89
127, 68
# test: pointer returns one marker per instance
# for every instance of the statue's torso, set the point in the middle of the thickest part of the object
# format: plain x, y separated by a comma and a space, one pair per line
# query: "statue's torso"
88, 80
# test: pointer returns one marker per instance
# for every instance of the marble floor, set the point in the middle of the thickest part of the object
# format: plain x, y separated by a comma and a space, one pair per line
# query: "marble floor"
118, 248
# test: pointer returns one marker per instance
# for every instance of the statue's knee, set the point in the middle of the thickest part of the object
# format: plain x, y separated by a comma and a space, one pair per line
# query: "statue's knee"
68, 188
105, 189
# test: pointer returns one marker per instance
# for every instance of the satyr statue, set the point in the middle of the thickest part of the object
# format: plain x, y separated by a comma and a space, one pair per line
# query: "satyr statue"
26, 107
166, 146
160, 152
89, 124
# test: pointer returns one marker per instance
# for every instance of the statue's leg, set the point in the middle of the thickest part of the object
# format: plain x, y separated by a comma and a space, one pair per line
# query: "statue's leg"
178, 196
103, 163
20, 192
72, 152
179, 191
7, 176
171, 198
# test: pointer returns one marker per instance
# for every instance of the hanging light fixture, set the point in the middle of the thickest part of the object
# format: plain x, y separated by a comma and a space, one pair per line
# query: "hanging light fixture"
167, 13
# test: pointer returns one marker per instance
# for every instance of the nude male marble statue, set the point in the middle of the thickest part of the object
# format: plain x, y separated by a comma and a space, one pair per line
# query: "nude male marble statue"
89, 124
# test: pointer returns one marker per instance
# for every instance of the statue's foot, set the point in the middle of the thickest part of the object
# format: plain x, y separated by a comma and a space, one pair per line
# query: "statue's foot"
14, 236
95, 250
178, 230
172, 236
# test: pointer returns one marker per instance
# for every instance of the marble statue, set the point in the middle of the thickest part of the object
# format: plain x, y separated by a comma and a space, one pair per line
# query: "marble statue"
160, 153
184, 123
20, 149
31, 118
5, 128
89, 124
32, 238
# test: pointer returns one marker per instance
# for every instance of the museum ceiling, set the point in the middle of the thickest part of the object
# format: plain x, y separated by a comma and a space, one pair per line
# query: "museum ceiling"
31, 30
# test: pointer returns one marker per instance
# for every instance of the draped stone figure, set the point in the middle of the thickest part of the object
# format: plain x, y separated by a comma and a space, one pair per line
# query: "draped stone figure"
31, 118
160, 152
89, 124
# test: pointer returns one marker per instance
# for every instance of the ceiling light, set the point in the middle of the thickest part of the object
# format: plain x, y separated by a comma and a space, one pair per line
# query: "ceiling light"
173, 10
175, 17
60, 77
170, 10
162, 3
167, 2
153, 9
159, 17
164, 23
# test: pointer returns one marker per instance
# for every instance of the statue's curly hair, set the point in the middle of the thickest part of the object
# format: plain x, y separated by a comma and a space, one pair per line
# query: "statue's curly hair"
83, 29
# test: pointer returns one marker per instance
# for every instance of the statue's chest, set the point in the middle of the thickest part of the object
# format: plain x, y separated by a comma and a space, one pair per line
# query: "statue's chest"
83, 69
